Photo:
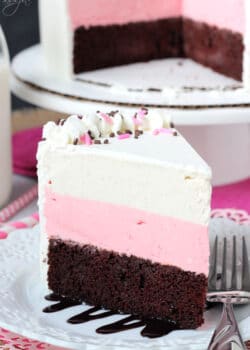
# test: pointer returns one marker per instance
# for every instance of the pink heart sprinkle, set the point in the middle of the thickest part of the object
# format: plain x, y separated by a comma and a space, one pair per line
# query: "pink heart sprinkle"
88, 140
18, 224
123, 136
3, 235
35, 216
137, 121
106, 118
141, 113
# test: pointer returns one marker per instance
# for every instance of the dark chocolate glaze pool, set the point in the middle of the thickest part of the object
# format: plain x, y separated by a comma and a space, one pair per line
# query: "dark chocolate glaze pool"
152, 328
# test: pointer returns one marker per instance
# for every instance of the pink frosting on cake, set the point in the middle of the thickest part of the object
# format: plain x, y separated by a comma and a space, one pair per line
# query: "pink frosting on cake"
104, 12
127, 230
228, 14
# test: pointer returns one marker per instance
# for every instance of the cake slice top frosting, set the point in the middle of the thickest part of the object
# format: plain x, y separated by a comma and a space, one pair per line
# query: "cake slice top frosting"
147, 135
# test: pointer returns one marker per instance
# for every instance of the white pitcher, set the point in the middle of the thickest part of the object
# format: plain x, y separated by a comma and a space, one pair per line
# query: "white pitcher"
5, 122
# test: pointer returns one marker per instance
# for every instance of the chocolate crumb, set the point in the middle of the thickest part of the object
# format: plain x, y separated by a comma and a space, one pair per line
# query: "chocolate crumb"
75, 141
112, 134
136, 137
90, 135
119, 132
141, 132
171, 125
175, 133
137, 133
97, 142
106, 141
79, 117
58, 121
128, 132
62, 121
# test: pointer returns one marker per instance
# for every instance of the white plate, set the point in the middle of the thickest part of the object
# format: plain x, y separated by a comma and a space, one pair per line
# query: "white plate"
22, 301
165, 83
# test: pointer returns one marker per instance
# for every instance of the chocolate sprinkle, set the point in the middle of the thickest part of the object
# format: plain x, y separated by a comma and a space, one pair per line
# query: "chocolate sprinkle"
97, 142
145, 109
106, 141
175, 133
112, 134
79, 117
62, 121
75, 141
112, 113
90, 135
172, 125
128, 132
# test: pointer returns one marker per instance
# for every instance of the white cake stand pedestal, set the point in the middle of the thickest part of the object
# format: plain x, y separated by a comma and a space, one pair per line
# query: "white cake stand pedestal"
212, 111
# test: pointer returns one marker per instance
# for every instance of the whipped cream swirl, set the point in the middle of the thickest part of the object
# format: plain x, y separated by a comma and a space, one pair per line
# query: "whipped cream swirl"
88, 129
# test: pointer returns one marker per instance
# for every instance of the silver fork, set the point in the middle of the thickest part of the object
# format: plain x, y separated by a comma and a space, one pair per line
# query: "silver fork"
235, 290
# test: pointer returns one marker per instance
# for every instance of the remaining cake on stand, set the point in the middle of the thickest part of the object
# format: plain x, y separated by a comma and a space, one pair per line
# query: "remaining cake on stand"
96, 34
124, 204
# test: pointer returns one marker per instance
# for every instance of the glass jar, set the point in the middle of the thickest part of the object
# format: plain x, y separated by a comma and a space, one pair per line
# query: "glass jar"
5, 122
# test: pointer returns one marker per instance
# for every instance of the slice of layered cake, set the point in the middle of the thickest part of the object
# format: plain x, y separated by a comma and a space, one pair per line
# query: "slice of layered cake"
124, 204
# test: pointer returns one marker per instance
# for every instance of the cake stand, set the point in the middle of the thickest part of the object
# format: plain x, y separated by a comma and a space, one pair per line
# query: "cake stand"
211, 110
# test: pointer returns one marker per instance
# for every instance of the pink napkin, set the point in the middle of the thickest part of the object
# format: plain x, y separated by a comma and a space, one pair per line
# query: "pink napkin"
235, 196
24, 147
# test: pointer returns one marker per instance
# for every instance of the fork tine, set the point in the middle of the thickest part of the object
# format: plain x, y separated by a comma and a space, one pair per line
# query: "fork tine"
234, 266
212, 278
245, 267
223, 285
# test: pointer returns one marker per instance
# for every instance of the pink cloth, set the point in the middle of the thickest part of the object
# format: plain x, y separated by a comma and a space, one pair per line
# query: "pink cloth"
24, 147
235, 196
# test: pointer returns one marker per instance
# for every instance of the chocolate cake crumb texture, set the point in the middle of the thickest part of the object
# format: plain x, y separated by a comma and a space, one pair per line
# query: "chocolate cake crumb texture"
220, 49
129, 284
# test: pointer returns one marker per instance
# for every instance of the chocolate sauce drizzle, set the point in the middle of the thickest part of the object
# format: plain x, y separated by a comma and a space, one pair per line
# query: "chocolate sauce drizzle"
153, 328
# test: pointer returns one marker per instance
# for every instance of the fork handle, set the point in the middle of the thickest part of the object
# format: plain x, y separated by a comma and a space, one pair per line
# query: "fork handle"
227, 335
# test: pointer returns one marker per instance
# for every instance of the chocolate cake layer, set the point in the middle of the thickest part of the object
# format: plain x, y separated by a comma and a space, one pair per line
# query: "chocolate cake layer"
128, 284
106, 46
219, 49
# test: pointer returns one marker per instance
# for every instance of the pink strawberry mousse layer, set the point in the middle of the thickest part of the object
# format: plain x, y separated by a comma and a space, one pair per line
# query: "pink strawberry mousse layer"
105, 12
228, 14
129, 231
